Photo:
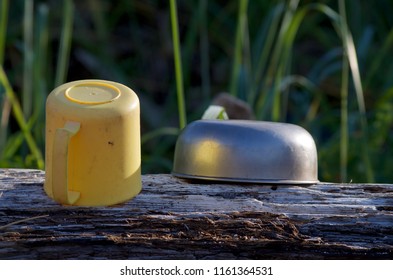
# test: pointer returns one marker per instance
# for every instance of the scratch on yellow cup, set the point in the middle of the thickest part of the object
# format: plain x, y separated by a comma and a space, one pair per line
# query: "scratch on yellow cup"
93, 153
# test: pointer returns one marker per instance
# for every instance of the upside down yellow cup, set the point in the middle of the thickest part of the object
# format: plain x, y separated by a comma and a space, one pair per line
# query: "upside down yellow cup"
92, 148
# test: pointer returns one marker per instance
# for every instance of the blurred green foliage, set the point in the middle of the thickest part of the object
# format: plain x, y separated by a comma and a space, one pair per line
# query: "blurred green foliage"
324, 65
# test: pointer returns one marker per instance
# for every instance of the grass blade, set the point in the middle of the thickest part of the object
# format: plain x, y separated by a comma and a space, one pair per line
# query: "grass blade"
4, 120
3, 28
65, 42
40, 61
15, 141
22, 221
272, 79
28, 56
178, 66
190, 41
18, 113
344, 138
350, 50
379, 59
41, 45
99, 21
4, 104
239, 46
204, 51
273, 21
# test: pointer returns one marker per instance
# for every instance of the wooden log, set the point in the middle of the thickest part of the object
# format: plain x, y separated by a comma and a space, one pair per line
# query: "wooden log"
180, 219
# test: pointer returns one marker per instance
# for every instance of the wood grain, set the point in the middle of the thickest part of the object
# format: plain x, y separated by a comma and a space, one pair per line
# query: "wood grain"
180, 219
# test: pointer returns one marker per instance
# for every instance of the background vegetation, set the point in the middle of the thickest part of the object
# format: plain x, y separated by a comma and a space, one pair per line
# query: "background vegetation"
324, 65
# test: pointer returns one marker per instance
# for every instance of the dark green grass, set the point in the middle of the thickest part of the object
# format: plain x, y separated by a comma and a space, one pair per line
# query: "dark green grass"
324, 65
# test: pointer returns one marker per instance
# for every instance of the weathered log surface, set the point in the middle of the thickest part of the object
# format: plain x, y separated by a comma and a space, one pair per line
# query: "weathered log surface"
179, 219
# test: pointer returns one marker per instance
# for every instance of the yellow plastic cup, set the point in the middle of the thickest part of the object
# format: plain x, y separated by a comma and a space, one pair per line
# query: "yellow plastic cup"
93, 155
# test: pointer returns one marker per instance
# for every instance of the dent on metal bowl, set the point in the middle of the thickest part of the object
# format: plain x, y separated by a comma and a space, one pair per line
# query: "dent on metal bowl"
246, 151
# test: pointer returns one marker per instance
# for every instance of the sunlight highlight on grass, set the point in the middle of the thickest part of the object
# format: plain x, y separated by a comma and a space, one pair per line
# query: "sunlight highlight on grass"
178, 66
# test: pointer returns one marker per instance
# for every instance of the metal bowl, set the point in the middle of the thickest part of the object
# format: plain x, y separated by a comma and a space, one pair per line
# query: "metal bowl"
246, 151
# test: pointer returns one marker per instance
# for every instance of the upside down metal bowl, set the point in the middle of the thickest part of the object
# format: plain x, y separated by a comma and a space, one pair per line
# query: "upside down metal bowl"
246, 151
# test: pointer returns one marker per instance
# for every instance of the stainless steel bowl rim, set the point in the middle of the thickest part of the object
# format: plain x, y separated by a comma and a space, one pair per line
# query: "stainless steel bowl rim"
246, 180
